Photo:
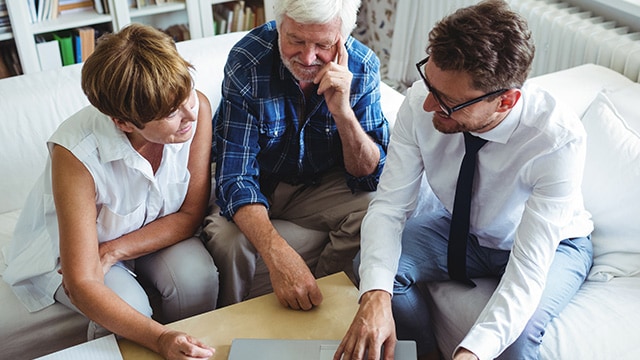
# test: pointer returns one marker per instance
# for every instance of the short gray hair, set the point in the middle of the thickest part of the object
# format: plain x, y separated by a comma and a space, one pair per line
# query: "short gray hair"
319, 12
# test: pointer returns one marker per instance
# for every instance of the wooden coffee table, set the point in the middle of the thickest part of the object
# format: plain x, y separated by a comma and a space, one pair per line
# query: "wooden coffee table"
264, 317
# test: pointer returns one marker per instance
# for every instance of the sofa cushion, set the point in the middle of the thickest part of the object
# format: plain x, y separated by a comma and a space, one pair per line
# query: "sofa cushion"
625, 101
578, 86
32, 108
611, 191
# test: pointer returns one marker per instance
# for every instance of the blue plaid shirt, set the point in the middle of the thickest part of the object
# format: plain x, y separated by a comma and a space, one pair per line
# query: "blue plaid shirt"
266, 132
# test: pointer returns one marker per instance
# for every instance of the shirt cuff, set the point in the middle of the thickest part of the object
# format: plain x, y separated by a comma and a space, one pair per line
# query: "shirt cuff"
483, 345
376, 279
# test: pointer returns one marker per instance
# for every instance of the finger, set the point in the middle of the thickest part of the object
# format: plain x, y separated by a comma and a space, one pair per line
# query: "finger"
342, 57
389, 349
322, 72
304, 302
283, 302
340, 350
315, 295
199, 343
196, 349
197, 352
345, 349
293, 303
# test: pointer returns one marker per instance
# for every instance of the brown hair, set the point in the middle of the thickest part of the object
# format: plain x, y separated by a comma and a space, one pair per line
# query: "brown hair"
489, 41
136, 75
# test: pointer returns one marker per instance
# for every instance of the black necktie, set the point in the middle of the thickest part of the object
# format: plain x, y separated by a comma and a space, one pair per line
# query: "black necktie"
459, 231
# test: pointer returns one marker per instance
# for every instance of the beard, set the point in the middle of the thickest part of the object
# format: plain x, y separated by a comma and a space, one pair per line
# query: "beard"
301, 72
448, 125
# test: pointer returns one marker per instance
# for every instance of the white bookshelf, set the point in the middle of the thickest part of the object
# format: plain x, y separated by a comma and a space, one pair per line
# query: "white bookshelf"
120, 14
197, 14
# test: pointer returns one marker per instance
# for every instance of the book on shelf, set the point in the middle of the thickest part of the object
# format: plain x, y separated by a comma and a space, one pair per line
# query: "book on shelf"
67, 6
54, 9
10, 57
99, 6
33, 11
48, 53
65, 42
4, 69
179, 32
5, 23
143, 3
87, 40
71, 47
40, 10
5, 65
237, 15
77, 47
43, 10
3, 9
249, 18
219, 23
225, 13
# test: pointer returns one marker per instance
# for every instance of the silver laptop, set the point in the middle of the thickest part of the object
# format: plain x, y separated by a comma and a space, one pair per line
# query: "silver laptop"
289, 349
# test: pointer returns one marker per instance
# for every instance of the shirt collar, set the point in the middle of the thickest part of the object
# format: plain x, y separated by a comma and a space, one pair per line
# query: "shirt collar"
116, 146
507, 126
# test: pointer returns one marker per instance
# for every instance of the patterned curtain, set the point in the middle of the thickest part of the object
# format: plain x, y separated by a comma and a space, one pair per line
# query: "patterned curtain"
375, 29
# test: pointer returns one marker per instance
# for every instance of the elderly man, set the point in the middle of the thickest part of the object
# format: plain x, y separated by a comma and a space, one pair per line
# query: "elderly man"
300, 136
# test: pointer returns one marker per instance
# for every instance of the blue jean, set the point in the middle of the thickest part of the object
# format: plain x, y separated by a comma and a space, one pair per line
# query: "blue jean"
424, 259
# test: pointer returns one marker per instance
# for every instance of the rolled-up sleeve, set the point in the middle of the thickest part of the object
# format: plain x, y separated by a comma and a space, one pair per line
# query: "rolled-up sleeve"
236, 141
367, 108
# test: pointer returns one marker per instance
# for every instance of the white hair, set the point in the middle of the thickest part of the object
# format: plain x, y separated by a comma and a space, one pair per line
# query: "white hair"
319, 12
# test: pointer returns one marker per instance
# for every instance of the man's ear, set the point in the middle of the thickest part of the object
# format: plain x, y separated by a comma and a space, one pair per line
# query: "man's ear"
508, 99
124, 126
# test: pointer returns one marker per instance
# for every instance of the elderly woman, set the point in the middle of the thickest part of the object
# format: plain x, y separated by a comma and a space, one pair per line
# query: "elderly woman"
121, 199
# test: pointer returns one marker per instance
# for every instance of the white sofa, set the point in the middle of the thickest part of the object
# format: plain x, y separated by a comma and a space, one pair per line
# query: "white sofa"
603, 322
32, 106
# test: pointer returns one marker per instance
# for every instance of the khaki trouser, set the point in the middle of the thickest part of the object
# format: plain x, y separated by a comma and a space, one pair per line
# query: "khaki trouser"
322, 220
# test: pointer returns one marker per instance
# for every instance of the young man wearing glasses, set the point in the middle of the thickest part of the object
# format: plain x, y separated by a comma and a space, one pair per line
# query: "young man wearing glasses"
526, 222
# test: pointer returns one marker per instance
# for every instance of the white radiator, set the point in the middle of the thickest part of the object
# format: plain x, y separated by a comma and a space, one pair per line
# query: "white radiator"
565, 37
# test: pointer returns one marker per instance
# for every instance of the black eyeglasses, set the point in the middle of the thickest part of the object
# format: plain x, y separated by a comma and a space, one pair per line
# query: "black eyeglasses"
446, 109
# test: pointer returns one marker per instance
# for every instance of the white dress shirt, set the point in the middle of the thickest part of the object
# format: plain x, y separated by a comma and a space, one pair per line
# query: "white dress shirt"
128, 196
527, 198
